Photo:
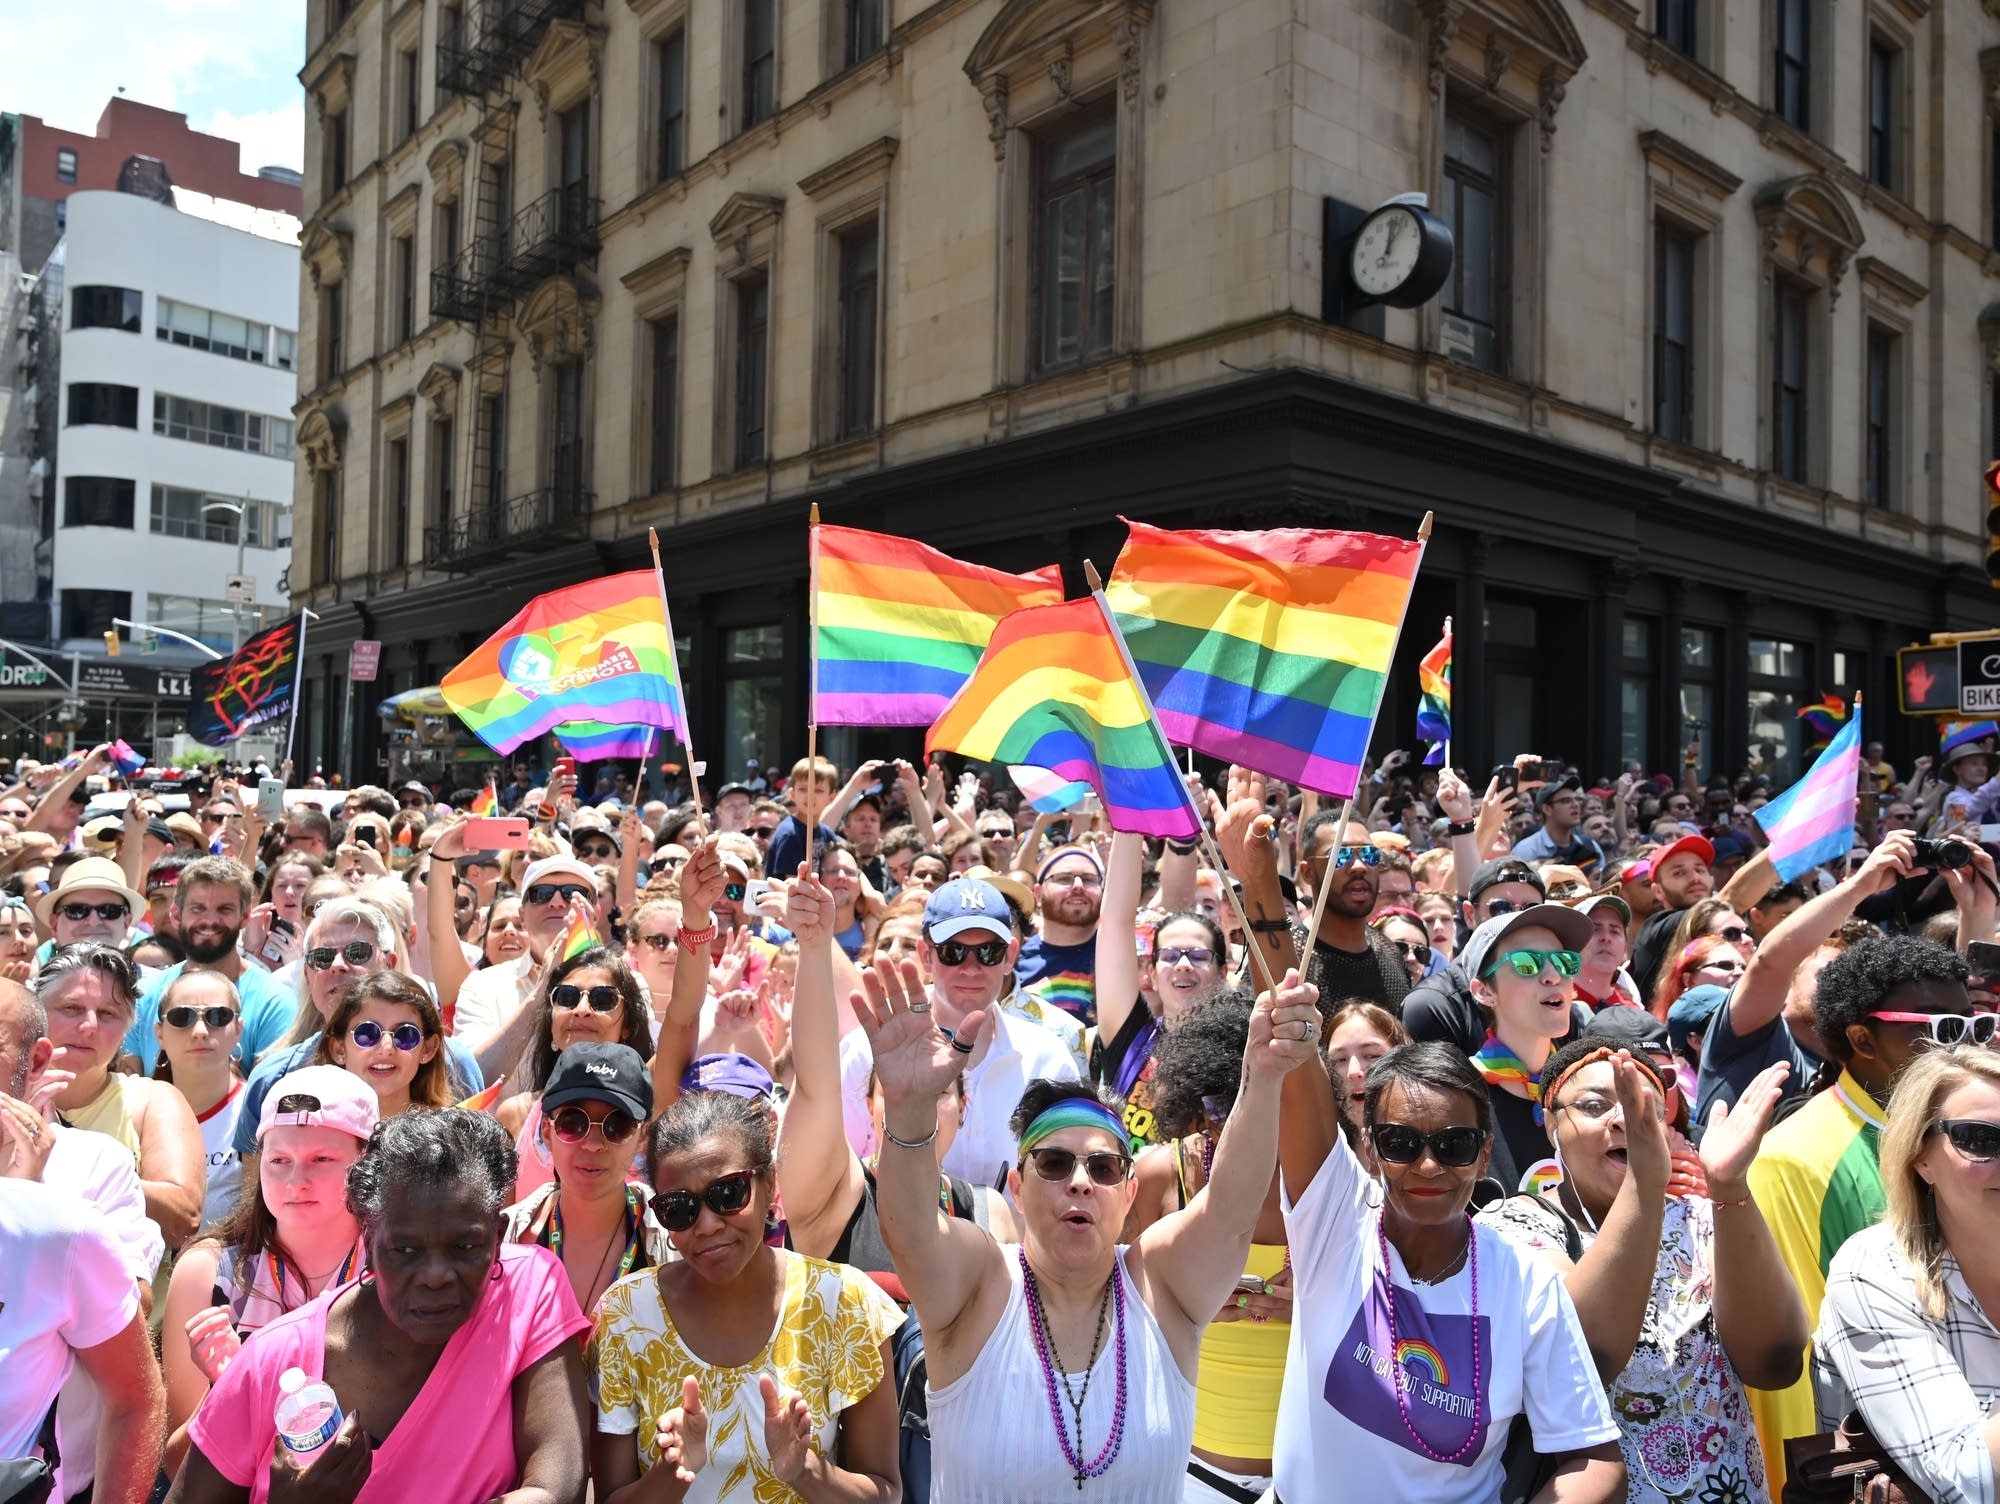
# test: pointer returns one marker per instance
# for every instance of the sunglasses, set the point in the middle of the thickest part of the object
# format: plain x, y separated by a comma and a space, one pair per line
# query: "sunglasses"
604, 853
1194, 955
1948, 1028
1721, 963
367, 1034
660, 943
954, 952
572, 1125
667, 863
355, 953
550, 892
208, 819
76, 913
1366, 856
1735, 934
602, 998
1455, 1148
1531, 963
763, 832
1413, 950
1103, 1167
680, 1210
734, 891
183, 1018
1978, 1141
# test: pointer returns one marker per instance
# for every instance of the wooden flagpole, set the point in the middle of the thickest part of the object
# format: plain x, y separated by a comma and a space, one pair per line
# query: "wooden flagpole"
687, 734
812, 684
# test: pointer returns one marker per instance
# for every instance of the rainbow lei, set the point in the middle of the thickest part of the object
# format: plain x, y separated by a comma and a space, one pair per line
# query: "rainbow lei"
1502, 1067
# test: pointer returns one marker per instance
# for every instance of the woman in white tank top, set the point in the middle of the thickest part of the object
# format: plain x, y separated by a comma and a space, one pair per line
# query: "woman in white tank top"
1064, 1367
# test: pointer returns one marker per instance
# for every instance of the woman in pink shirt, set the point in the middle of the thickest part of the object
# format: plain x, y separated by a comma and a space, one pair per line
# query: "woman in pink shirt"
455, 1361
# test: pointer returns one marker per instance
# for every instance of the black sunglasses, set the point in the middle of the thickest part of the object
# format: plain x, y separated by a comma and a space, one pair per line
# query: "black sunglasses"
659, 942
1977, 1140
549, 892
989, 952
1399, 1144
1413, 950
726, 1196
604, 853
602, 998
76, 913
183, 1018
1103, 1167
572, 1125
355, 953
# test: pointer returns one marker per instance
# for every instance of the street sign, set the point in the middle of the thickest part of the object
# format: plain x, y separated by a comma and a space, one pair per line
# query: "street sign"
1979, 676
1927, 679
240, 590
21, 675
363, 660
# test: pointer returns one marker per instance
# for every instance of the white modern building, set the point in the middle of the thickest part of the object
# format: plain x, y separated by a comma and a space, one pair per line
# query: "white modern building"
174, 460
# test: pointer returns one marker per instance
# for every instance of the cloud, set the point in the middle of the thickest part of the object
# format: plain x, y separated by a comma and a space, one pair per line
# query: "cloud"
271, 138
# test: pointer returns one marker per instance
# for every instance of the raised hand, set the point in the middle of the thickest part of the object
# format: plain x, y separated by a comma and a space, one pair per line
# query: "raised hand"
1243, 826
703, 878
1284, 1029
1454, 797
1734, 1134
212, 1340
788, 1428
1648, 1154
809, 908
914, 1062
682, 1435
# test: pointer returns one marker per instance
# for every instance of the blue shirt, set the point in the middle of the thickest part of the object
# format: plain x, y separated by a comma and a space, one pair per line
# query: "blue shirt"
788, 847
268, 1011
466, 1078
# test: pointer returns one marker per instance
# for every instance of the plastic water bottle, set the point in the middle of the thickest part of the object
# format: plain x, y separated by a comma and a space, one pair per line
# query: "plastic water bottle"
308, 1413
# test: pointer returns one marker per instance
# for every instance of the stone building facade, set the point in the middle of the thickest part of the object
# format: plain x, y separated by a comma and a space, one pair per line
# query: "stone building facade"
1701, 411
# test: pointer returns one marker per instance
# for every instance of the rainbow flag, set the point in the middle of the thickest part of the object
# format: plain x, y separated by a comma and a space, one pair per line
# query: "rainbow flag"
487, 805
1813, 820
1954, 734
484, 1101
901, 625
600, 651
1434, 697
1822, 719
1268, 649
578, 936
1055, 690
592, 741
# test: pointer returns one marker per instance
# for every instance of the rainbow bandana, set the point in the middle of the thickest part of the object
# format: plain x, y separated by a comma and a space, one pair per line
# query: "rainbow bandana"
1074, 1112
1500, 1066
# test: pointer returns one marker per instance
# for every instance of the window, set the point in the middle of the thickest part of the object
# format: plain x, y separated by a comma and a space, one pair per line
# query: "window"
854, 345
284, 349
101, 402
753, 693
65, 165
332, 317
105, 308
404, 257
1791, 303
1880, 473
223, 334
89, 613
410, 106
1791, 94
451, 41
573, 140
97, 501
664, 347
1673, 334
670, 78
444, 242
1884, 69
1674, 24
760, 61
1076, 219
753, 313
1698, 667
1777, 674
223, 427
1635, 698
444, 434
493, 429
1473, 327
217, 623
1993, 184
569, 439
396, 550
336, 151
863, 31
326, 528
178, 512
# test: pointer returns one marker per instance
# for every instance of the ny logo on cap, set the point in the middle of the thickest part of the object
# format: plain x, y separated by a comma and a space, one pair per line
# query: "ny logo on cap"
972, 898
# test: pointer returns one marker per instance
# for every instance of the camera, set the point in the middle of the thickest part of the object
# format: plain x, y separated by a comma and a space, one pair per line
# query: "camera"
1948, 853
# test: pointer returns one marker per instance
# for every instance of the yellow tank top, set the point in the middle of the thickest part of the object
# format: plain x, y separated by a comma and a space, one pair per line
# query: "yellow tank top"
1242, 1370
110, 1112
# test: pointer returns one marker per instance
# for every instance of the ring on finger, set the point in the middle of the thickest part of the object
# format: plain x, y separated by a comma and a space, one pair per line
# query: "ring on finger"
920, 1007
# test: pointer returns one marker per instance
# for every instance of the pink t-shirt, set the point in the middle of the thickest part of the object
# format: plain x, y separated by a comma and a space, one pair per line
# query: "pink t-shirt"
455, 1444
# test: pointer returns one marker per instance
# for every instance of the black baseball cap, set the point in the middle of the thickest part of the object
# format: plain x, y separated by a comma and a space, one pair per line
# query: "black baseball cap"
596, 1072
1505, 869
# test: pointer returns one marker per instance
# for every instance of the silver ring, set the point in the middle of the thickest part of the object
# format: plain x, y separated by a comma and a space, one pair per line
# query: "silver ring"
920, 1007
35, 1134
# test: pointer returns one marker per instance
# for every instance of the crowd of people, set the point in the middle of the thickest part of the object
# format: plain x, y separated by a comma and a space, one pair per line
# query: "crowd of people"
889, 1138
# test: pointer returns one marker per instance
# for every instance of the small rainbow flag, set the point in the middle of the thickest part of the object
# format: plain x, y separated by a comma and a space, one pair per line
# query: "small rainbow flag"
487, 1100
1823, 717
600, 652
487, 805
901, 626
578, 936
1268, 649
1055, 690
1954, 734
1434, 697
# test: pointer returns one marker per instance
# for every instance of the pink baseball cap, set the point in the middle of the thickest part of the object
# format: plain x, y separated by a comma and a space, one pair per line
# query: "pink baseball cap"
321, 1096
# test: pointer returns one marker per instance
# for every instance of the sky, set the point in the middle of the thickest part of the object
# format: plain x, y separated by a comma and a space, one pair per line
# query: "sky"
230, 65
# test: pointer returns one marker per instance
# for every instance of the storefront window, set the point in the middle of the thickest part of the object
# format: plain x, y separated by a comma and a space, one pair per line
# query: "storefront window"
1635, 697
1777, 688
1698, 655
752, 698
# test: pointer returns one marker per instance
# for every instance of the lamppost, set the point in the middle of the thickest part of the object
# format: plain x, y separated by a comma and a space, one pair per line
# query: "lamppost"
242, 511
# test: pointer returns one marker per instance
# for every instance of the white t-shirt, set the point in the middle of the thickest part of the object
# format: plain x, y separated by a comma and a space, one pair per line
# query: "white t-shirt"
225, 1164
63, 1287
1339, 1413
857, 1063
491, 995
1020, 1051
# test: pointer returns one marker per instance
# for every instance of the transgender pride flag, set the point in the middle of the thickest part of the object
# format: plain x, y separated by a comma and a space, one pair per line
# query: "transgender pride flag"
1813, 820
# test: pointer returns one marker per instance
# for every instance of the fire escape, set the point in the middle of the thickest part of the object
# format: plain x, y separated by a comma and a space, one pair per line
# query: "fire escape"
507, 255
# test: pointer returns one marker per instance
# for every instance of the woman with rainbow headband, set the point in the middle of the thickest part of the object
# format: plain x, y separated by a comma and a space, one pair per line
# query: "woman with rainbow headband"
1065, 1366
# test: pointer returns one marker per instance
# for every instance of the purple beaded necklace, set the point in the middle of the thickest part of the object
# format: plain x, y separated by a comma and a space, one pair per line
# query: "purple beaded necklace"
1044, 1348
1396, 1369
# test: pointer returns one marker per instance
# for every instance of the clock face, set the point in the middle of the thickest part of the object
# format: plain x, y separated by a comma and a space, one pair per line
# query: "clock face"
1385, 252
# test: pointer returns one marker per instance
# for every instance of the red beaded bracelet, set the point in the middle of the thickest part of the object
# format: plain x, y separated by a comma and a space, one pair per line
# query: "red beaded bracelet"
689, 939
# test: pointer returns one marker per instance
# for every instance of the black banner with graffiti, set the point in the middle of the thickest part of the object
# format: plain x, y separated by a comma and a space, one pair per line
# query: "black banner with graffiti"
251, 688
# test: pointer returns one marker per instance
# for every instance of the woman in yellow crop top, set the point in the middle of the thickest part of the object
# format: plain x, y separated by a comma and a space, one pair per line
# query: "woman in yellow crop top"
1243, 1350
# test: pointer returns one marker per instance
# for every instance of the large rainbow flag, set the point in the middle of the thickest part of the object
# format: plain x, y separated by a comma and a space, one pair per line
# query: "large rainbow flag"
1055, 690
598, 652
590, 741
901, 625
1268, 649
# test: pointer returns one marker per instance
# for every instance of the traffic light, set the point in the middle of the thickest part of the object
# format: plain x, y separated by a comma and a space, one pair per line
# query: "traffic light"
111, 642
1993, 524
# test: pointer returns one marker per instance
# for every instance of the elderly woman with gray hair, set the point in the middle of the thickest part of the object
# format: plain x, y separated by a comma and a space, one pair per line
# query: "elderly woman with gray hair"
454, 1361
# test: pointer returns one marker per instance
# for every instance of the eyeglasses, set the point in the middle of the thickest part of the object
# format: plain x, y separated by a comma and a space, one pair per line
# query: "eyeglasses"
367, 1034
1589, 1106
1073, 880
1348, 856
668, 863
954, 952
604, 853
354, 953
1399, 1144
726, 1196
734, 891
572, 1125
1735, 934
660, 942
1977, 1140
1413, 950
1194, 955
1947, 1028
997, 833
1103, 1167
1721, 963
217, 1017
76, 913
209, 819
763, 832
1531, 963
550, 892
602, 998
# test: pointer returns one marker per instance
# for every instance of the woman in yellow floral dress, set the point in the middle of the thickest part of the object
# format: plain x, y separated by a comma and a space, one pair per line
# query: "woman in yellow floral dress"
742, 1371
